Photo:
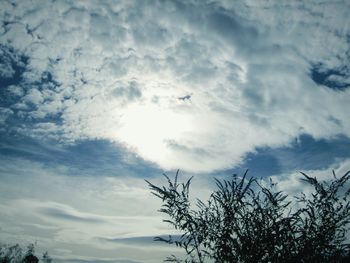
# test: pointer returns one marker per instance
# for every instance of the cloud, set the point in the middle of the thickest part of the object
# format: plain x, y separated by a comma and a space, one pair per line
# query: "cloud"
66, 260
142, 241
305, 153
260, 74
41, 203
127, 94
93, 158
60, 212
89, 217
293, 185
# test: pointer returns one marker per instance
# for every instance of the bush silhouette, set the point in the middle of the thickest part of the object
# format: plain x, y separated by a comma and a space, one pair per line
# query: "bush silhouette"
14, 254
246, 222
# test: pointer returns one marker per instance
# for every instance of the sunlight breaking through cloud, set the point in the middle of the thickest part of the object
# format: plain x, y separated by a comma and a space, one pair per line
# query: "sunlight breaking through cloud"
96, 96
111, 71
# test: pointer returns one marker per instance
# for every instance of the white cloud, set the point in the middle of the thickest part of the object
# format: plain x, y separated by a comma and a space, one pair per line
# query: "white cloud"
122, 66
292, 184
34, 96
45, 205
4, 114
81, 216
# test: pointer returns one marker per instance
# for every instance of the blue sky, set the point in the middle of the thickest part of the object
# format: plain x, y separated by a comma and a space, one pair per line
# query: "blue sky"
90, 106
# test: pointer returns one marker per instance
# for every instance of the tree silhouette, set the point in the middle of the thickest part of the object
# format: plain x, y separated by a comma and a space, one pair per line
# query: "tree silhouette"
14, 254
46, 258
244, 221
10, 253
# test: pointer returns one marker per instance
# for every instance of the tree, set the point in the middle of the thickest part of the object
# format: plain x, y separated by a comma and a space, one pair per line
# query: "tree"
244, 221
30, 255
46, 258
10, 253
14, 254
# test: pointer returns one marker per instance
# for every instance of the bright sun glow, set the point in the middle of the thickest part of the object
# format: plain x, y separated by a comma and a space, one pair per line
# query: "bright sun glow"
150, 128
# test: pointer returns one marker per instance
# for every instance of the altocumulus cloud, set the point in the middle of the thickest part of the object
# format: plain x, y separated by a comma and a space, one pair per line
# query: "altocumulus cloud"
260, 74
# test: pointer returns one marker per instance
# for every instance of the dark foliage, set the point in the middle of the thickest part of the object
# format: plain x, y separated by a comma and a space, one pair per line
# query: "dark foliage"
244, 222
14, 254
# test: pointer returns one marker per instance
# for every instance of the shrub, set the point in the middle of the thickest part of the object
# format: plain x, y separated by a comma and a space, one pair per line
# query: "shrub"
244, 221
14, 254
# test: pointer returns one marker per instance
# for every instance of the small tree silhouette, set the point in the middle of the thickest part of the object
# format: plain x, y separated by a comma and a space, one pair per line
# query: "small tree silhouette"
244, 221
46, 258
14, 254
10, 253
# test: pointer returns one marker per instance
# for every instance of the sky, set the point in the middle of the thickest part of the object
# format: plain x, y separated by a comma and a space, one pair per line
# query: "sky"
97, 96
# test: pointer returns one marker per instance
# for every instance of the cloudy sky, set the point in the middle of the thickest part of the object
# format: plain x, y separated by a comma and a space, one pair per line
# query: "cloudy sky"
96, 96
